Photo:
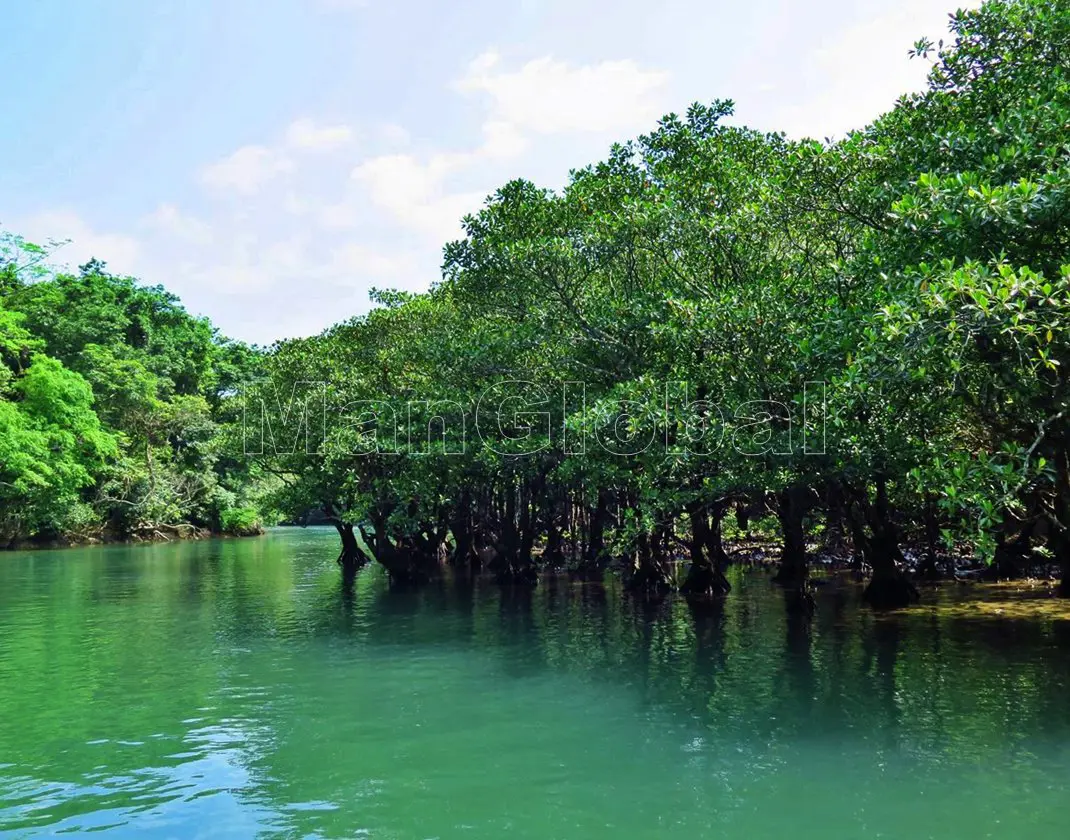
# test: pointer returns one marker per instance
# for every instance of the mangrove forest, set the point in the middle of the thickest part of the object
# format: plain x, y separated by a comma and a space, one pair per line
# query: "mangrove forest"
859, 343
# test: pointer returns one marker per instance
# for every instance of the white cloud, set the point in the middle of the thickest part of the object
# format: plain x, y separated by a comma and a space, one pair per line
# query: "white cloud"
441, 219
245, 170
250, 265
296, 205
553, 97
502, 140
82, 242
861, 71
357, 262
339, 215
399, 182
394, 135
414, 191
306, 135
169, 220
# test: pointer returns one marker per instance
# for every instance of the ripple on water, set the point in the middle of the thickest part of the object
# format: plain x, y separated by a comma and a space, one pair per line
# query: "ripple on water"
234, 689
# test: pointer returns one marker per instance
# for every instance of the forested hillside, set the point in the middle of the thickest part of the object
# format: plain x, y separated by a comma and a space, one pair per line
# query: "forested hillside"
113, 400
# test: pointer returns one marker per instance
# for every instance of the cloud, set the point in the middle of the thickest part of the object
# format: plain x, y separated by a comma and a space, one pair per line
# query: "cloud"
414, 191
305, 242
548, 96
394, 135
306, 135
358, 261
248, 169
502, 140
82, 243
169, 220
862, 70
245, 170
399, 182
340, 215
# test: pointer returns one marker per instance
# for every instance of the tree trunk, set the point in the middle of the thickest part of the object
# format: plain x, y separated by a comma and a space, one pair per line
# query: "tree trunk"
527, 527
835, 519
592, 562
859, 540
351, 557
554, 553
1060, 534
512, 564
742, 517
714, 540
794, 563
929, 568
649, 577
461, 528
1010, 556
706, 577
404, 565
888, 588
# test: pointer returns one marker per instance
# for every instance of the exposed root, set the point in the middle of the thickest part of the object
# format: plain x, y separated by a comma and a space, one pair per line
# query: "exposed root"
705, 582
890, 592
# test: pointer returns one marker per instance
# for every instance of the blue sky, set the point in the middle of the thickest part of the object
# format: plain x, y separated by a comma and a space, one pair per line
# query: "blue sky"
272, 160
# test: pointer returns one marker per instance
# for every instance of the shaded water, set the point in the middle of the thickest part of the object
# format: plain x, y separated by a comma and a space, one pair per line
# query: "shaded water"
233, 688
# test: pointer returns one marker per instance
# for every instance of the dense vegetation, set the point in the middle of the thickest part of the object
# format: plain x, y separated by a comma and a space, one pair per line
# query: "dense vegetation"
865, 339
112, 399
917, 267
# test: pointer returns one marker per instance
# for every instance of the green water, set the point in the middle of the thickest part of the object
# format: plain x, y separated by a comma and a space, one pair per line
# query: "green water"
233, 688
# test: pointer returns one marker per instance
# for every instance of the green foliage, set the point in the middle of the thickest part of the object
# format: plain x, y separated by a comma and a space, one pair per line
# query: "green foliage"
917, 268
51, 447
241, 521
114, 400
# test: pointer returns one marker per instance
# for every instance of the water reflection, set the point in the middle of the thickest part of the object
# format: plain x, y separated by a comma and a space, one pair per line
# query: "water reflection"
241, 687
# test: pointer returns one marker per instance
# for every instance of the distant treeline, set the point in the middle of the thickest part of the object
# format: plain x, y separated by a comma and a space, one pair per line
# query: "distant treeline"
113, 404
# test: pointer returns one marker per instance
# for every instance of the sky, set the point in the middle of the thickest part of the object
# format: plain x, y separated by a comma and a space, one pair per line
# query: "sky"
271, 161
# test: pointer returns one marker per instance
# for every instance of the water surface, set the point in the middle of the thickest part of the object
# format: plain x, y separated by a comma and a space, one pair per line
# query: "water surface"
236, 688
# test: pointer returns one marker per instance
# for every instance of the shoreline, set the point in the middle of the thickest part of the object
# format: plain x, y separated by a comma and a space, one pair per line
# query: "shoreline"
60, 543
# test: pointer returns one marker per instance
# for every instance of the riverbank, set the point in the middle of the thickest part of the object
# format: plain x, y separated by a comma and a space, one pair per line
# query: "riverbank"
155, 535
957, 583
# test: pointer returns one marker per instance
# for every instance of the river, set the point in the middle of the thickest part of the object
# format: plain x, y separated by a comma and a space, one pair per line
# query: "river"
232, 688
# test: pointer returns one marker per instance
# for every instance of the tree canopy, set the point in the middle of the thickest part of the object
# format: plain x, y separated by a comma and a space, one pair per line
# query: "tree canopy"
112, 400
872, 330
864, 338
